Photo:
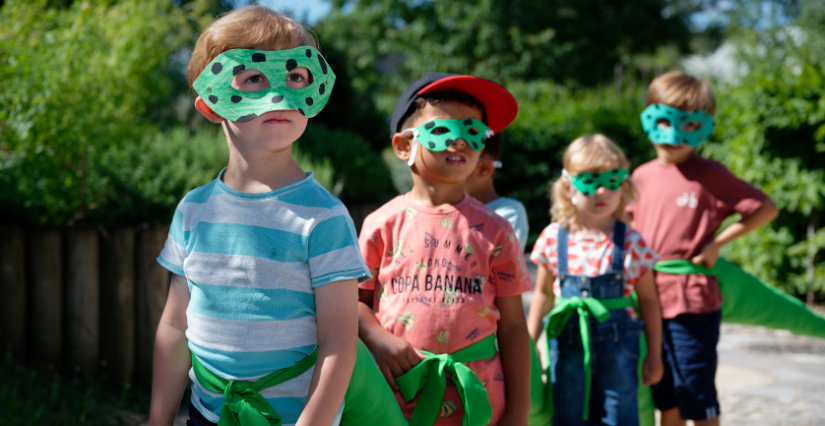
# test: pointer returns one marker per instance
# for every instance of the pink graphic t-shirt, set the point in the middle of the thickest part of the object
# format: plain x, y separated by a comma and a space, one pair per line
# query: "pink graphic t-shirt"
592, 256
436, 274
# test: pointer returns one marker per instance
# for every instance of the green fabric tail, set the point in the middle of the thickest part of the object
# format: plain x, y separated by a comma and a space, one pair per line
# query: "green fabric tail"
647, 415
749, 301
429, 378
541, 396
369, 399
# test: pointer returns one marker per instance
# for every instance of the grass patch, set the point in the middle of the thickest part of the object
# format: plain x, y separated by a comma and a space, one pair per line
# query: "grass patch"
34, 396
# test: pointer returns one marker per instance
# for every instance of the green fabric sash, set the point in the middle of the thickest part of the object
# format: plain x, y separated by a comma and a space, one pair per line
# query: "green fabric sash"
244, 406
430, 378
541, 396
749, 301
369, 399
562, 312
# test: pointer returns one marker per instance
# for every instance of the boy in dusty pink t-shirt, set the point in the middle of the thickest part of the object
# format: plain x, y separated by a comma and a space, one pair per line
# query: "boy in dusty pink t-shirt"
683, 199
447, 272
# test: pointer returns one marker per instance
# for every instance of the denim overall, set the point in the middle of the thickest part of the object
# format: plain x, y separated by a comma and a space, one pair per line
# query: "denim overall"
614, 349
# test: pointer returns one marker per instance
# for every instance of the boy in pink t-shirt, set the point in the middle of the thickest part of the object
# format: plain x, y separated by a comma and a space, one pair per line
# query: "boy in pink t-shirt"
447, 272
683, 199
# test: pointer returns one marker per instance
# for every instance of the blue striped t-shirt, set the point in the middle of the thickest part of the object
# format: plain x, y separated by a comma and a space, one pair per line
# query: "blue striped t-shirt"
252, 262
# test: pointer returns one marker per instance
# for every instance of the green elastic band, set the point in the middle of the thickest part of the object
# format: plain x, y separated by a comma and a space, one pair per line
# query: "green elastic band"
243, 405
430, 378
600, 308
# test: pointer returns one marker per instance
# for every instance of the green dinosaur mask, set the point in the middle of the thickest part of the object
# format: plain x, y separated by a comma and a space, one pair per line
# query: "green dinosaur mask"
214, 85
676, 117
587, 183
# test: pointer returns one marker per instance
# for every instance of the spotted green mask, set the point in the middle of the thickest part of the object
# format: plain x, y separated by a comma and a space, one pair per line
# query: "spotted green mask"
214, 85
676, 117
440, 133
587, 183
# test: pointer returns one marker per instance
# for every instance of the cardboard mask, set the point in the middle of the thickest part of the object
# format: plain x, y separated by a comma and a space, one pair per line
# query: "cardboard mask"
587, 183
438, 134
676, 117
214, 85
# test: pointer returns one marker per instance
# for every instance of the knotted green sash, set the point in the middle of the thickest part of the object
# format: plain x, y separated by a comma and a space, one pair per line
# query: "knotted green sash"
749, 301
562, 312
244, 406
430, 378
368, 401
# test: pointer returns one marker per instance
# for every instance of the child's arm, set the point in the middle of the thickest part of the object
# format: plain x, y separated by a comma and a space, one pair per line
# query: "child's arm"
764, 214
394, 355
543, 301
514, 348
337, 345
653, 368
170, 370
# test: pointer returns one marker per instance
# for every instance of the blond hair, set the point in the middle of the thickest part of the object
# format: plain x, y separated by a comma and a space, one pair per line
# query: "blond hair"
249, 27
589, 153
681, 91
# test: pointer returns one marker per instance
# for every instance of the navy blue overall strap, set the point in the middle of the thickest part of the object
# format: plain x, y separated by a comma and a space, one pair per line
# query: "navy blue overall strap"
561, 251
618, 247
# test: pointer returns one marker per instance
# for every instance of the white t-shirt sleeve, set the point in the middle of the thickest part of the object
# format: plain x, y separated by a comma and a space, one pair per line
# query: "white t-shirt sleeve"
516, 214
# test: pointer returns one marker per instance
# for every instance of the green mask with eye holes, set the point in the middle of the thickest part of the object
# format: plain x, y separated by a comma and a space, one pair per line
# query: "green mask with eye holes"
440, 133
676, 118
587, 183
214, 85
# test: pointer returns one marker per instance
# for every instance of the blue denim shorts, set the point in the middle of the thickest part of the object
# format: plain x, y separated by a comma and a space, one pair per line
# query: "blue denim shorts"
197, 419
614, 379
689, 351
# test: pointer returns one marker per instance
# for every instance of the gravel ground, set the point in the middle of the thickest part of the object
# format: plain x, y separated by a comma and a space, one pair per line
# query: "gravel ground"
772, 378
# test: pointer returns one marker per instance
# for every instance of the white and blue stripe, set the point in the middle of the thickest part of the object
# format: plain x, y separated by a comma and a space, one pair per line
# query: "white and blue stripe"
252, 262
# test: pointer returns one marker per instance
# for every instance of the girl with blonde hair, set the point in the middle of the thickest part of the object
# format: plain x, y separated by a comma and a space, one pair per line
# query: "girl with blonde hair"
595, 269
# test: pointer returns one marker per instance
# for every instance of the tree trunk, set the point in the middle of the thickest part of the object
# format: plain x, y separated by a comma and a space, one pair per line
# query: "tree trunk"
117, 297
13, 291
45, 301
82, 300
152, 288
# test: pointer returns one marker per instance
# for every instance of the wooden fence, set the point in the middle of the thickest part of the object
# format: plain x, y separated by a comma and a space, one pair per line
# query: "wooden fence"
86, 299
82, 299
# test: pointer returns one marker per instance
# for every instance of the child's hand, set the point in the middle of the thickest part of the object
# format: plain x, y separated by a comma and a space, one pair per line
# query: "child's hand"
652, 370
395, 356
708, 256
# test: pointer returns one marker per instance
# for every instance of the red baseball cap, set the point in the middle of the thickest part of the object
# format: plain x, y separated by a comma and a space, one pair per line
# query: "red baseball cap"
500, 106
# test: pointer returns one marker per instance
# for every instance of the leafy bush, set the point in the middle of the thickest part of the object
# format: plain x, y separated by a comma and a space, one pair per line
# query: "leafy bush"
78, 82
360, 169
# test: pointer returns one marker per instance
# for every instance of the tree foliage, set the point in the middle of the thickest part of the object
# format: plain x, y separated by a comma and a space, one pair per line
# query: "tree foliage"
772, 129
389, 43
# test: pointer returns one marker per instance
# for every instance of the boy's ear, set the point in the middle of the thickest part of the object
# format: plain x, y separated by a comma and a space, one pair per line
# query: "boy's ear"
402, 145
485, 167
207, 112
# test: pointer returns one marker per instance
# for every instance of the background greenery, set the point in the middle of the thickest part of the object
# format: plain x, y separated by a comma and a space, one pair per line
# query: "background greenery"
97, 127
